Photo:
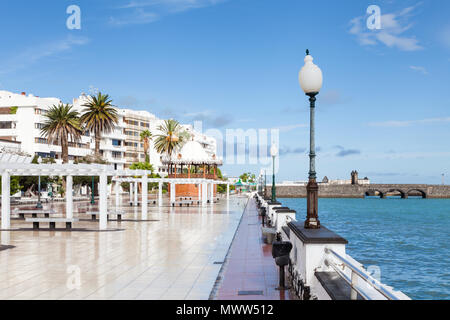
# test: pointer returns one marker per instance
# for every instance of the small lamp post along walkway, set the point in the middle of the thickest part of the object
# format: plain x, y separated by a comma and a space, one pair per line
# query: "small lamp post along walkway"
273, 153
39, 204
311, 79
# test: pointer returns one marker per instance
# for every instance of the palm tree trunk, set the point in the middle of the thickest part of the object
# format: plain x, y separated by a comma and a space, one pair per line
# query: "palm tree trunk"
64, 149
97, 143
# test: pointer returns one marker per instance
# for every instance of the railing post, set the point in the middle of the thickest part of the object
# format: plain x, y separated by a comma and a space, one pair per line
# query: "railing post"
354, 293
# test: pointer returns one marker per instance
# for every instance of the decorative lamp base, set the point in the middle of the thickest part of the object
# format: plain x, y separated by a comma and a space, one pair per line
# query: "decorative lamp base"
312, 195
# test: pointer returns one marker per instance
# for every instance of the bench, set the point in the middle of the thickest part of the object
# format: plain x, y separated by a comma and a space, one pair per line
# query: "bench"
184, 202
118, 213
33, 213
52, 222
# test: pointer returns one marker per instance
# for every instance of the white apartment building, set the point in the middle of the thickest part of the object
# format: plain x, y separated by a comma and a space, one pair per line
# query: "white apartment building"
21, 118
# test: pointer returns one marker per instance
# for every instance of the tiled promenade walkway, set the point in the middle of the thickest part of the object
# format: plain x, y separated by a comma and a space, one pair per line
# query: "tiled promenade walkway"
170, 256
250, 266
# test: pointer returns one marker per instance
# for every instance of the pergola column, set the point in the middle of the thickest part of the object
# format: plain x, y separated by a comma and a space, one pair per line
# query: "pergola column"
211, 192
117, 190
131, 193
69, 197
228, 191
160, 187
204, 193
6, 189
136, 194
144, 196
199, 192
172, 193
103, 203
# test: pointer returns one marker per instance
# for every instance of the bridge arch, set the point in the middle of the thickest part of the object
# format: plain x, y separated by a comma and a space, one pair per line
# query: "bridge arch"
403, 195
422, 193
374, 193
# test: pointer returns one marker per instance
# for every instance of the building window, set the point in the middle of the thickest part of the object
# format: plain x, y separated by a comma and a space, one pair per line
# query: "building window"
131, 133
131, 155
117, 155
41, 140
131, 144
116, 142
145, 125
39, 111
39, 125
6, 125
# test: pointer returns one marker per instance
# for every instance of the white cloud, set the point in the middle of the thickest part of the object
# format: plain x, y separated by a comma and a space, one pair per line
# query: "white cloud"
409, 123
34, 54
392, 32
139, 16
420, 69
288, 128
148, 11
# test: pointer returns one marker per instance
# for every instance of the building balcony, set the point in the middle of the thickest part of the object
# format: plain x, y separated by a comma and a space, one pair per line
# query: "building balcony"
110, 147
9, 117
8, 133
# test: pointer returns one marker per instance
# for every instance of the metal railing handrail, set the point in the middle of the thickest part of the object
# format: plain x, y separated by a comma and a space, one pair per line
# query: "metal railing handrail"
363, 275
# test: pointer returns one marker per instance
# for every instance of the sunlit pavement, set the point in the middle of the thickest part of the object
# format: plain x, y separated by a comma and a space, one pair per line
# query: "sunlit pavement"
250, 271
174, 254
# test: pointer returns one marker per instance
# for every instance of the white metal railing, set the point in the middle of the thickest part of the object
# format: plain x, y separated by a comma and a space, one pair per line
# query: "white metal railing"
356, 273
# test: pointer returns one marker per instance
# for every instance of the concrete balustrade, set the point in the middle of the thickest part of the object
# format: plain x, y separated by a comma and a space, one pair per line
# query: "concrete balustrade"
311, 263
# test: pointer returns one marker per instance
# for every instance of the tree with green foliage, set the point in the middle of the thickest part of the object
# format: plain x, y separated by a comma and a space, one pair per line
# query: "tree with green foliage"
142, 166
14, 185
146, 137
99, 116
61, 124
169, 139
248, 177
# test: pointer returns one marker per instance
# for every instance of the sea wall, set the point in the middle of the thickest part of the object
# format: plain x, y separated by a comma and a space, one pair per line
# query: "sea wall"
359, 191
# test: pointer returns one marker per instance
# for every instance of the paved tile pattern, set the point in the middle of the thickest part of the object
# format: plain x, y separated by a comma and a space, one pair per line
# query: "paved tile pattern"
250, 266
171, 257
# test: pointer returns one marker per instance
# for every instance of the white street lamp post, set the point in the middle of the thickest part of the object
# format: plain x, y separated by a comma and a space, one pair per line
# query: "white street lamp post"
311, 79
273, 153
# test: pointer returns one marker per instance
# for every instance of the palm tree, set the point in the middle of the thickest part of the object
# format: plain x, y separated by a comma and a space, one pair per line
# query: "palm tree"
99, 116
146, 137
170, 139
61, 124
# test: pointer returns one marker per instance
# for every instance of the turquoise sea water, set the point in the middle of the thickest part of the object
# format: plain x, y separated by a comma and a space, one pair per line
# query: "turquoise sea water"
407, 238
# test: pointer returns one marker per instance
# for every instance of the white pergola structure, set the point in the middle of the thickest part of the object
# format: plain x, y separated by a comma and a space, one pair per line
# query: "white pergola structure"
8, 169
205, 185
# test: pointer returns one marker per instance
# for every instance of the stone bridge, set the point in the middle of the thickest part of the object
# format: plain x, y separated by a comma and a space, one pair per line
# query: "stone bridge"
360, 191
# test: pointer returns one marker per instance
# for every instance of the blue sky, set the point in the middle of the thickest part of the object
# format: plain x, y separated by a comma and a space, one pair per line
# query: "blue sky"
383, 110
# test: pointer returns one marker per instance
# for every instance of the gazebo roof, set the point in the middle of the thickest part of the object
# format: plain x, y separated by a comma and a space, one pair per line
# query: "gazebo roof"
191, 153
